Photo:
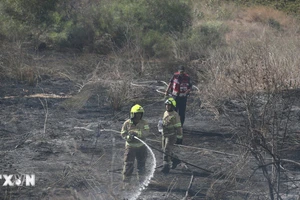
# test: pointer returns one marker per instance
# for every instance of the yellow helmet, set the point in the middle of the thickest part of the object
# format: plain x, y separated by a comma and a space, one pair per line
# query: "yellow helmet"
136, 109
171, 101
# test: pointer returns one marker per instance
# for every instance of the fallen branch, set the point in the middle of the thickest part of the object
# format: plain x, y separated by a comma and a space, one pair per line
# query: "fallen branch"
84, 128
187, 194
45, 106
290, 161
23, 140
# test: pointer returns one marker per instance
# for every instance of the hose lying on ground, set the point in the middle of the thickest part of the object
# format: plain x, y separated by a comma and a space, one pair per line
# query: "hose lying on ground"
159, 89
159, 150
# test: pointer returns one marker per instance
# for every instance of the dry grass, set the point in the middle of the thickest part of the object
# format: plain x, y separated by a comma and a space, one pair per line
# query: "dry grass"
263, 14
109, 79
257, 58
209, 10
258, 63
265, 63
119, 94
18, 65
78, 100
27, 74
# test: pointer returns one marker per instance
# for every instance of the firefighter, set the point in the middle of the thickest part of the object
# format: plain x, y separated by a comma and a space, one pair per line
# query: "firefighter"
171, 132
134, 149
180, 87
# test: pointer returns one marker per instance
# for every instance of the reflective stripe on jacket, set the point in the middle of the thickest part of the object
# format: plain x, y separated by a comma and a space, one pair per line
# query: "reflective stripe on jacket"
141, 129
180, 84
171, 124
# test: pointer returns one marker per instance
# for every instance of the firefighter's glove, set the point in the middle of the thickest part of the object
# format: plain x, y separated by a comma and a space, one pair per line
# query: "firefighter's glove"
179, 141
131, 135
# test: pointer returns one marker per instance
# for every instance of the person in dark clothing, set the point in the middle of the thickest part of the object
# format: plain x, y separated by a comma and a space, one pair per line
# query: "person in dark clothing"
180, 87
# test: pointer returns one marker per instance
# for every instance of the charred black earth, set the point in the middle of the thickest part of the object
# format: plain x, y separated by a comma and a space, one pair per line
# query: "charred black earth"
76, 152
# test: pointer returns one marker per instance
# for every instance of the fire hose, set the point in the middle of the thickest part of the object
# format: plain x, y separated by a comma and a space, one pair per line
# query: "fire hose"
159, 150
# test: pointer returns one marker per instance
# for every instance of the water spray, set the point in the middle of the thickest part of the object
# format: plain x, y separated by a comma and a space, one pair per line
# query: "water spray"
146, 182
159, 150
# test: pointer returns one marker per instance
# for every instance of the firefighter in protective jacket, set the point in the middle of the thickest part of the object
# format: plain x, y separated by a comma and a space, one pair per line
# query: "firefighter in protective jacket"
180, 86
171, 132
134, 149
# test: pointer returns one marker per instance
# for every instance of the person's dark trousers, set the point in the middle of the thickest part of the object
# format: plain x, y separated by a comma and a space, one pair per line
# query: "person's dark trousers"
180, 108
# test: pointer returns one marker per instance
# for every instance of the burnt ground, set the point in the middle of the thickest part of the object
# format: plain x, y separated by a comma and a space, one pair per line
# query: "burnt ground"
74, 153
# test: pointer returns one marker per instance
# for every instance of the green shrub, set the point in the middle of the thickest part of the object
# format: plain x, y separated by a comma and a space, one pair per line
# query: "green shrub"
210, 34
274, 24
156, 44
68, 23
146, 22
21, 19
80, 36
168, 16
195, 43
13, 30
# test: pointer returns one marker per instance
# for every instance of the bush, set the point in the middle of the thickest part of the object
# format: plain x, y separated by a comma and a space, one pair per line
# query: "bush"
195, 43
145, 24
80, 36
210, 34
168, 16
25, 18
156, 44
69, 24
274, 24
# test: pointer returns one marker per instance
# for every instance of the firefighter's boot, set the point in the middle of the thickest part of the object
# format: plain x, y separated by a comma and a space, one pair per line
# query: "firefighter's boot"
175, 162
126, 182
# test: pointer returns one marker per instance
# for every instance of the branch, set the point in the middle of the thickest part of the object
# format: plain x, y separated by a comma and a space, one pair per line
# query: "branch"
45, 106
189, 187
290, 161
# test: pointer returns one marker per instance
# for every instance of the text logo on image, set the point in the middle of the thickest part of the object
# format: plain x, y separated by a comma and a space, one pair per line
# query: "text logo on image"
18, 179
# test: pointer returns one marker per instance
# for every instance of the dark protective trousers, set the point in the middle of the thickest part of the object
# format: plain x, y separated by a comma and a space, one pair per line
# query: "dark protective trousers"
132, 153
181, 107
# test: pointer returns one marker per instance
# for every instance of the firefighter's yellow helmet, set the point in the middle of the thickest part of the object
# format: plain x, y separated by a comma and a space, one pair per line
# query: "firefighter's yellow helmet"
171, 101
136, 109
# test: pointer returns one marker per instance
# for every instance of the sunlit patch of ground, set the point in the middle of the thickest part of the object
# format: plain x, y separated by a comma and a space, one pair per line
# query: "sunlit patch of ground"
42, 95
